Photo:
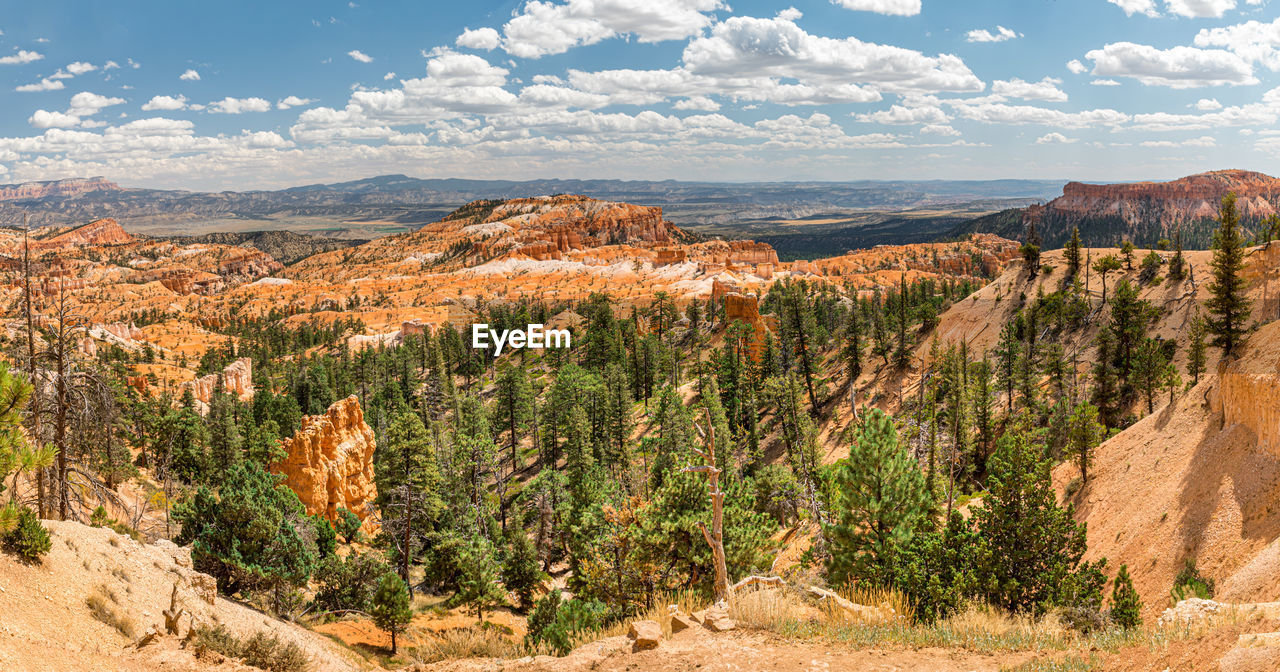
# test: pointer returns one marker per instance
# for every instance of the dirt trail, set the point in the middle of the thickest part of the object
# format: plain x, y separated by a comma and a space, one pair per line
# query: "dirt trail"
743, 651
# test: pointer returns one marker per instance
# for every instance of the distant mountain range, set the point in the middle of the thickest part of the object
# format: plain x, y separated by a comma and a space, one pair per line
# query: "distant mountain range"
412, 202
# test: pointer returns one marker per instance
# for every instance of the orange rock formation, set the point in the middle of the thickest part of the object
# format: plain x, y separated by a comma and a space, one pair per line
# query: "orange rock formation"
330, 462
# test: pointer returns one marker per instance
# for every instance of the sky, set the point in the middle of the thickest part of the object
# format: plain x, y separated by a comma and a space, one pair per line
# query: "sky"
264, 95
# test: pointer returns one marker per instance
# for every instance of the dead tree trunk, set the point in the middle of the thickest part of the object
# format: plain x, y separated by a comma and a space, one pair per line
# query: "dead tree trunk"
715, 538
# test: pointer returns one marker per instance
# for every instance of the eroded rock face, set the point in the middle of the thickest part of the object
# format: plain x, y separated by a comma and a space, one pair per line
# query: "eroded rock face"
237, 379
746, 308
68, 187
330, 461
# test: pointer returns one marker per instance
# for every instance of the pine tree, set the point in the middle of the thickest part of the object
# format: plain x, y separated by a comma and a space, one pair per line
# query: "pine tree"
1228, 306
902, 355
514, 410
852, 352
1036, 547
1196, 349
1102, 267
520, 572
478, 584
881, 498
1008, 354
1126, 251
1149, 364
1106, 393
1072, 253
1177, 265
390, 609
408, 483
1084, 432
1126, 606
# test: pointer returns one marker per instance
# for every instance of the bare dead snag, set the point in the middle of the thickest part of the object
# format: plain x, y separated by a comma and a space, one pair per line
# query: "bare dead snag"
715, 538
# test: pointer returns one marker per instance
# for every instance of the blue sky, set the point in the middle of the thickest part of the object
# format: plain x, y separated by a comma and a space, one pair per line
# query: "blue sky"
239, 95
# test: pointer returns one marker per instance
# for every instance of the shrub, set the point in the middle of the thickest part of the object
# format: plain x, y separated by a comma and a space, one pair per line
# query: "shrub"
348, 526
1189, 583
260, 650
555, 622
391, 610
29, 539
348, 583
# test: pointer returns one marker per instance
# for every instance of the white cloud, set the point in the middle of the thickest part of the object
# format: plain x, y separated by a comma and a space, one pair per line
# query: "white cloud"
165, 103
1208, 105
80, 67
110, 65
1132, 7
1200, 8
231, 105
1054, 138
188, 76
1046, 89
1204, 141
358, 55
938, 129
47, 119
1105, 82
1253, 41
21, 57
544, 27
45, 84
898, 114
1266, 113
1178, 67
1076, 67
890, 7
701, 103
293, 101
1000, 113
741, 47
87, 104
983, 35
479, 38
389, 76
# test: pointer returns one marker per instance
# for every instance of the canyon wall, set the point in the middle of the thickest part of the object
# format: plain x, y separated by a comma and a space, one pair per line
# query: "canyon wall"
69, 187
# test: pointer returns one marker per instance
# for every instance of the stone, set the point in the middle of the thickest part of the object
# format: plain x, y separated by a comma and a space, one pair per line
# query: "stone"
329, 462
237, 379
205, 586
645, 635
717, 620
680, 622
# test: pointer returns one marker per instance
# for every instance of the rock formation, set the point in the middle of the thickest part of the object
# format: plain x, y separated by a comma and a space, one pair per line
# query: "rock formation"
329, 462
237, 379
98, 232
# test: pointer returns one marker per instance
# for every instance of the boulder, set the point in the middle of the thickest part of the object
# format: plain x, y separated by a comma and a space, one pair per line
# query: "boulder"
681, 622
716, 619
645, 635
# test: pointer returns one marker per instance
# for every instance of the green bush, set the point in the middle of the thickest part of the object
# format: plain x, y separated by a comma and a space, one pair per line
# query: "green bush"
1126, 606
263, 651
29, 539
348, 526
1189, 583
555, 622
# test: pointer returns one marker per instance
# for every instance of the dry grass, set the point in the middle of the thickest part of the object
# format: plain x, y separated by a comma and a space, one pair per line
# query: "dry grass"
104, 605
470, 642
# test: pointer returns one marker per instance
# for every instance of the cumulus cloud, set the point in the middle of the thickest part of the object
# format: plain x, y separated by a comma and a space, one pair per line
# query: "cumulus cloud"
700, 103
1046, 89
890, 7
189, 76
21, 57
47, 119
1208, 105
1132, 7
983, 35
1076, 67
1178, 67
80, 67
293, 101
1203, 141
899, 114
87, 104
479, 38
542, 28
1054, 138
1200, 8
231, 105
938, 129
358, 55
1254, 41
1002, 113
45, 84
165, 103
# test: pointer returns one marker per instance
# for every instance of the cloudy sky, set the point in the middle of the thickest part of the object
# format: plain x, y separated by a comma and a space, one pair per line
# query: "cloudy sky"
243, 95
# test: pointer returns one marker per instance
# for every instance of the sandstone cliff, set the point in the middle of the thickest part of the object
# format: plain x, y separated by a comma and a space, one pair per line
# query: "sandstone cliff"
330, 462
237, 379
69, 187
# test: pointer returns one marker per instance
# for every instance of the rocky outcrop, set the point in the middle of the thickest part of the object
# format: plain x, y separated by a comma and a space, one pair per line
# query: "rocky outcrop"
746, 308
237, 379
68, 187
1249, 395
329, 462
98, 232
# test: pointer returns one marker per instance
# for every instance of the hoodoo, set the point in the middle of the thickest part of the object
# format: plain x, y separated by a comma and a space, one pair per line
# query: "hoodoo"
329, 462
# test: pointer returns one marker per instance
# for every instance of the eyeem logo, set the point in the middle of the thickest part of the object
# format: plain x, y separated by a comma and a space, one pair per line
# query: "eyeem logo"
534, 337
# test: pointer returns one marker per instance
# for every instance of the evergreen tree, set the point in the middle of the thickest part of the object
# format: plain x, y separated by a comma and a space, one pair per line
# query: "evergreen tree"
1196, 349
1036, 547
1228, 306
1126, 606
390, 608
514, 408
520, 572
408, 483
1008, 354
1149, 366
1177, 265
880, 499
1084, 432
1072, 253
1102, 267
478, 584
1106, 392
